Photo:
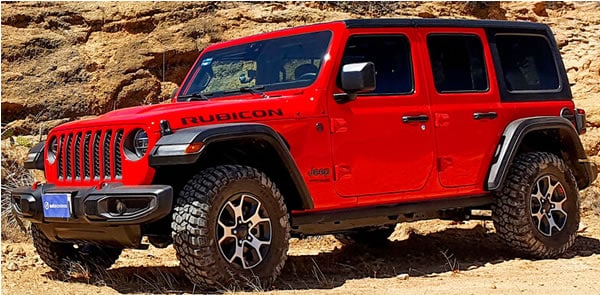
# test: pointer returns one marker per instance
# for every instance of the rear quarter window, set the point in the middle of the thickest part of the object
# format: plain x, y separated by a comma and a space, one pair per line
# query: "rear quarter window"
527, 63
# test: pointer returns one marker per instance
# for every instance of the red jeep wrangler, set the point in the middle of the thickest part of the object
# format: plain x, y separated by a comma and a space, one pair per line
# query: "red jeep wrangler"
342, 127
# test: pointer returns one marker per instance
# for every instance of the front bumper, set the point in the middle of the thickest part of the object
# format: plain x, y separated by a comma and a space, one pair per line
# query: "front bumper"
112, 214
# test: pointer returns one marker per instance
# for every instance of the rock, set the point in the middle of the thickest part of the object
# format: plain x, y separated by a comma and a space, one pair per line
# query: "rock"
167, 90
485, 10
12, 266
403, 276
20, 252
139, 92
539, 9
7, 250
426, 14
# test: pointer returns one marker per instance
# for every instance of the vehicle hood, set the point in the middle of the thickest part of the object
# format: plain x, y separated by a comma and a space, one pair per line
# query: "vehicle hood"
188, 114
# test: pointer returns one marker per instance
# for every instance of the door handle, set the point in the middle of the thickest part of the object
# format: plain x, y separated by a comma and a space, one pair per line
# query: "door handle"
490, 115
412, 119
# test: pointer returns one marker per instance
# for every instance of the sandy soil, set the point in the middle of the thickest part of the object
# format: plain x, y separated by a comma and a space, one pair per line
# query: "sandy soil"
428, 257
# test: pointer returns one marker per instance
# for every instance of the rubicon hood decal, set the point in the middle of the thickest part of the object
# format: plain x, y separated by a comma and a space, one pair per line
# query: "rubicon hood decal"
232, 116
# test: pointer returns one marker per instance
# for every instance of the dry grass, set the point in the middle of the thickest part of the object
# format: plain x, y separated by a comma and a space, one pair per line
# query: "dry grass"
14, 150
451, 262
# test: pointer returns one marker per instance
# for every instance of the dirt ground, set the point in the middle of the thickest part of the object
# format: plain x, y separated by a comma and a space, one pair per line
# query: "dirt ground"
427, 257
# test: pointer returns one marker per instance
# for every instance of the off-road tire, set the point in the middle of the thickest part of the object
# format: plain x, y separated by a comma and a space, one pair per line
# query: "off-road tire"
65, 258
196, 227
517, 201
370, 236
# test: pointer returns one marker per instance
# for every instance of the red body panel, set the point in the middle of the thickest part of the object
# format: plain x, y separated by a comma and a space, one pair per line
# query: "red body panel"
375, 157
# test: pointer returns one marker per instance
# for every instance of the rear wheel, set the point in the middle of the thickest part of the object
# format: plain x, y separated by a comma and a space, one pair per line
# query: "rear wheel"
231, 227
68, 257
537, 209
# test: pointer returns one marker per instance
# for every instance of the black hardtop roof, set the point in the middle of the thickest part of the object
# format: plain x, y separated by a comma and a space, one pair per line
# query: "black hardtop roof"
428, 22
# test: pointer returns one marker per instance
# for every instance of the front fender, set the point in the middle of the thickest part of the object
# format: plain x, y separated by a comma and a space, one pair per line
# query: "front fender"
207, 135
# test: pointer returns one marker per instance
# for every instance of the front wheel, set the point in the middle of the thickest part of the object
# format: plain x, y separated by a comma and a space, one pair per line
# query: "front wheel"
231, 227
537, 209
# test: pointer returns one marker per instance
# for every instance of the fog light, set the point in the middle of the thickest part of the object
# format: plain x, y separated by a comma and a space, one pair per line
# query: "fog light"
121, 207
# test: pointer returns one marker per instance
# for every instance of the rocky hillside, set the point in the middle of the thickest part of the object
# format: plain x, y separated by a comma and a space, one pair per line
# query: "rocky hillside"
61, 61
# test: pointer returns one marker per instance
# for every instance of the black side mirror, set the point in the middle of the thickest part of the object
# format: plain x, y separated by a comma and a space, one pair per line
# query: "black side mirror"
356, 77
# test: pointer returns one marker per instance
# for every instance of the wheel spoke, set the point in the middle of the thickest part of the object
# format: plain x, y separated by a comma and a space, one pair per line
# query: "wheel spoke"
551, 187
539, 216
227, 232
255, 219
558, 206
552, 224
542, 224
256, 244
239, 252
237, 210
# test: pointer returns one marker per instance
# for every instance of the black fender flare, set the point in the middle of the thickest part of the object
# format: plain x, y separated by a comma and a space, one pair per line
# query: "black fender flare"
223, 132
515, 132
35, 157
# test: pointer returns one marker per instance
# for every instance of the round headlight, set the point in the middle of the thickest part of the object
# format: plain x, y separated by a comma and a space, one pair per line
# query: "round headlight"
52, 150
140, 143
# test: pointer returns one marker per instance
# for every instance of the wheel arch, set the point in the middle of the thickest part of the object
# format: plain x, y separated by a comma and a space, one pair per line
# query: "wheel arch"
251, 144
547, 134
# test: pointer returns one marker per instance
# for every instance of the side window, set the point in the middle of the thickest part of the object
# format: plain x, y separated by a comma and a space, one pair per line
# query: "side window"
391, 56
527, 62
457, 63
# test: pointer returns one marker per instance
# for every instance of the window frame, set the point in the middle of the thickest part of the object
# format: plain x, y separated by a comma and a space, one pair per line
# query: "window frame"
188, 82
410, 64
551, 51
485, 65
532, 96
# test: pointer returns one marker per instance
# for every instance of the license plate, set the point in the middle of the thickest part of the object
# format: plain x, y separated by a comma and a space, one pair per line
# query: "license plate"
57, 205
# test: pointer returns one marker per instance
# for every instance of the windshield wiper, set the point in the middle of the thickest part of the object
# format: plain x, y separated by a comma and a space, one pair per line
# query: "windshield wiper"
253, 90
196, 96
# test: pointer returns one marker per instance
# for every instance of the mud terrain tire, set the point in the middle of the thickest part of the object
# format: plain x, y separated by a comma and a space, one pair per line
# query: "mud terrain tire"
231, 228
64, 257
537, 209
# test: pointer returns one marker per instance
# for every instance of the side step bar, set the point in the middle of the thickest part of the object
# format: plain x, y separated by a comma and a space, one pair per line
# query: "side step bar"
339, 220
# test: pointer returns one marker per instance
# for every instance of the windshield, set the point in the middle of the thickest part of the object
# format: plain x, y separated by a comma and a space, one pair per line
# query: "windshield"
274, 64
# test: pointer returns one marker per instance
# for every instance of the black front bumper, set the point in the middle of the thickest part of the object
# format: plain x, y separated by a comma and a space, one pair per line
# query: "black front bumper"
112, 214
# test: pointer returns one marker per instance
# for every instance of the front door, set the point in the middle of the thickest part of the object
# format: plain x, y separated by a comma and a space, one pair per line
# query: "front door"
383, 142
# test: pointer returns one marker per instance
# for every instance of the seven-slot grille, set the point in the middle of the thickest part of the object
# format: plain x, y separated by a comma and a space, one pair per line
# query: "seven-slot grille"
90, 155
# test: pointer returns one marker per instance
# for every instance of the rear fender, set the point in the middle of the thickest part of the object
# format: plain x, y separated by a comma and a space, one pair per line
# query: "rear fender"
517, 131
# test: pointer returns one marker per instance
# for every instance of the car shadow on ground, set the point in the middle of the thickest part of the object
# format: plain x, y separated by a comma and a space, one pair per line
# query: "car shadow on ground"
450, 250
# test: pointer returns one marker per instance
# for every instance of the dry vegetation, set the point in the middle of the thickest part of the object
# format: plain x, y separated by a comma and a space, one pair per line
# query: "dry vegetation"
61, 61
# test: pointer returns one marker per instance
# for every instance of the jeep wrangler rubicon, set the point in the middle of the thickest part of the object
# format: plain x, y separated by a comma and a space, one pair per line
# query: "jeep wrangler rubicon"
342, 127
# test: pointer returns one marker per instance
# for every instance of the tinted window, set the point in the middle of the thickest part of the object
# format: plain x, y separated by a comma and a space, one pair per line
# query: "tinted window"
391, 56
457, 63
527, 62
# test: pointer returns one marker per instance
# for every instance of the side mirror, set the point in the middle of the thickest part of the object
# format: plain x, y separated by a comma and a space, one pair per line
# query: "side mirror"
247, 77
356, 77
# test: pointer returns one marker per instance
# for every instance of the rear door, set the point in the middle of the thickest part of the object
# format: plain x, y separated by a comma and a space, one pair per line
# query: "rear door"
383, 142
464, 101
